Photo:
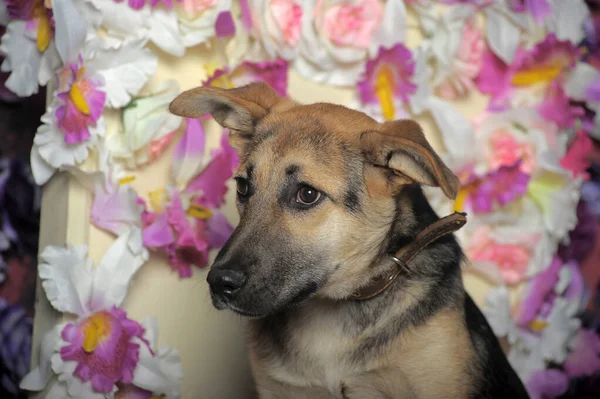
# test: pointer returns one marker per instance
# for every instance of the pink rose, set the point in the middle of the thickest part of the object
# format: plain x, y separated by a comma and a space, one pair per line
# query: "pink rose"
350, 24
277, 25
194, 8
466, 63
511, 257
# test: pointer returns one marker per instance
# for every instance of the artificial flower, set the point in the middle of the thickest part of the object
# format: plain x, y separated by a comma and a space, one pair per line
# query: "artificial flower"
277, 25
504, 30
337, 37
584, 359
582, 238
198, 18
387, 80
138, 4
549, 383
148, 126
274, 73
456, 49
566, 20
583, 84
80, 102
28, 44
577, 158
122, 24
115, 207
533, 79
539, 9
50, 150
185, 220
102, 347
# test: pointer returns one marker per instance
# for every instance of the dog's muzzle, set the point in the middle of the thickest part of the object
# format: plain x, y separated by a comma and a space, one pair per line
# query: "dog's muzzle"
225, 284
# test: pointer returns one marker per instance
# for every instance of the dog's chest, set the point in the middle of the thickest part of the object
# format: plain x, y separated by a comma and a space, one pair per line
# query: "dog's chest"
311, 353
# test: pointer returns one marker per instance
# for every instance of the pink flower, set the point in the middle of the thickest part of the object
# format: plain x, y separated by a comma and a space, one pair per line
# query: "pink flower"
102, 346
190, 223
499, 187
195, 8
466, 65
287, 14
577, 158
534, 79
539, 9
351, 25
545, 384
512, 259
505, 150
130, 391
82, 102
275, 73
388, 78
139, 4
584, 359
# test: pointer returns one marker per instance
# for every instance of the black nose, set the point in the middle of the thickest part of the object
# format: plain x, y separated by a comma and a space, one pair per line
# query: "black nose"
225, 283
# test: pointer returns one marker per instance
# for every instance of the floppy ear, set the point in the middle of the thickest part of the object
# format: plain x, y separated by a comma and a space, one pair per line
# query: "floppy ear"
237, 109
402, 147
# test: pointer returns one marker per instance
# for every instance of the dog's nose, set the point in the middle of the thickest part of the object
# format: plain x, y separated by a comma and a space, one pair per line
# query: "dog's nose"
225, 283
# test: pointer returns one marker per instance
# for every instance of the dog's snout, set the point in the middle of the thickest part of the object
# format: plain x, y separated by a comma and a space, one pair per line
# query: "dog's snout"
225, 283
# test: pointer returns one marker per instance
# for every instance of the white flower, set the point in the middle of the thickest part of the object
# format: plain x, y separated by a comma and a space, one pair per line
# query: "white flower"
504, 30
146, 120
497, 312
567, 20
125, 70
122, 24
337, 38
580, 79
197, 19
277, 25
50, 151
560, 334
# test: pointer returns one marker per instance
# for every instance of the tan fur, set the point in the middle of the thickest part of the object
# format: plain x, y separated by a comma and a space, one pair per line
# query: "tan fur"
328, 143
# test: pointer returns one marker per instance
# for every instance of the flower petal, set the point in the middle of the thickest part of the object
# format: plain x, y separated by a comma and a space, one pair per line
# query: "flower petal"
159, 233
38, 378
67, 276
579, 80
164, 32
188, 157
41, 170
22, 60
115, 272
392, 29
70, 29
567, 20
502, 34
125, 71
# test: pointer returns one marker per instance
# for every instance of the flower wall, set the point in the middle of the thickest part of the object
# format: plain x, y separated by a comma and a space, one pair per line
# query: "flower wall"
506, 89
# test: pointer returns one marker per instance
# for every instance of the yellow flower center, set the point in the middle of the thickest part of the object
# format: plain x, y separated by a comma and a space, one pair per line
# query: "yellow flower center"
44, 32
383, 89
126, 179
76, 96
538, 325
199, 212
96, 328
543, 74
158, 199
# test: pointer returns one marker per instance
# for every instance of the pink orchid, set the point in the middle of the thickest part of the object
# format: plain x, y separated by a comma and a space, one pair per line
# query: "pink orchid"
534, 79
539, 9
190, 223
275, 73
577, 158
103, 348
139, 4
81, 102
584, 359
387, 79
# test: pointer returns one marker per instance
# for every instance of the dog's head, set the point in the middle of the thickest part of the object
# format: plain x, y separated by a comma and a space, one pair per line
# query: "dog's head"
317, 191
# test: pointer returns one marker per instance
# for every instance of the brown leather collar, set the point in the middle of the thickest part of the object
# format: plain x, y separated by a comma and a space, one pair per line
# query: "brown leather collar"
440, 228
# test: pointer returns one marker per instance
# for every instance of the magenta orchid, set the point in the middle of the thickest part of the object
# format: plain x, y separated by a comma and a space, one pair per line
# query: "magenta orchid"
139, 4
275, 73
185, 220
534, 79
538, 9
387, 81
81, 101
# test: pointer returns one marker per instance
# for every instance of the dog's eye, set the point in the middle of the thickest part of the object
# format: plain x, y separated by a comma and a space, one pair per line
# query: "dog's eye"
307, 195
242, 186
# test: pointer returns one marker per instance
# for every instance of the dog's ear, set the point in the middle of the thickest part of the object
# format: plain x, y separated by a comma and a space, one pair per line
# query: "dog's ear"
402, 147
237, 109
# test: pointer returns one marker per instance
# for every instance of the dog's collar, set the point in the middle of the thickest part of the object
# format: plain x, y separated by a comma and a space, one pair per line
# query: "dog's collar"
429, 234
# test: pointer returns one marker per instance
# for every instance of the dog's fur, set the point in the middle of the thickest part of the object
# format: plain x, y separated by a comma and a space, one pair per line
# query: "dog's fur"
421, 338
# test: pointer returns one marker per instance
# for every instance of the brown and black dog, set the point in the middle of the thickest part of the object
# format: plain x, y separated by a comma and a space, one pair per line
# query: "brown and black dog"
326, 196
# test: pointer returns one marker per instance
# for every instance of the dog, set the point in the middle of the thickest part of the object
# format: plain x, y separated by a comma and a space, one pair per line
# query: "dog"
327, 196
